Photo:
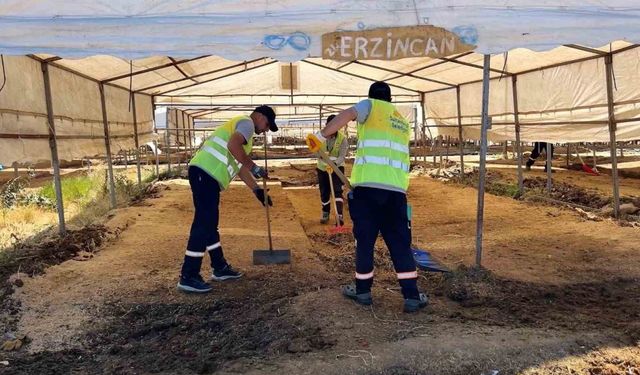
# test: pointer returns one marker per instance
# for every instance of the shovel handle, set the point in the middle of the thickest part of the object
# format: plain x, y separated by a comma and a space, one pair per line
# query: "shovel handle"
333, 200
266, 195
323, 155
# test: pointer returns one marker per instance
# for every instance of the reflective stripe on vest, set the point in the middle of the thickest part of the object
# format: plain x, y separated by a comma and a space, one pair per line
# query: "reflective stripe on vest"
384, 143
382, 161
382, 157
335, 151
214, 156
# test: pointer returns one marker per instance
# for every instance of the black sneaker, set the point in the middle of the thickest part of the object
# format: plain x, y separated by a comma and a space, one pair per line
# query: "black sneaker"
193, 284
413, 305
227, 273
349, 291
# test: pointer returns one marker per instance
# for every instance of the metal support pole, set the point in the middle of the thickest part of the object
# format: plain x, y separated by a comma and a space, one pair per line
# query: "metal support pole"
415, 133
107, 144
320, 119
53, 145
483, 159
516, 119
187, 133
167, 140
178, 140
460, 129
155, 142
549, 169
424, 124
568, 153
16, 173
612, 136
137, 140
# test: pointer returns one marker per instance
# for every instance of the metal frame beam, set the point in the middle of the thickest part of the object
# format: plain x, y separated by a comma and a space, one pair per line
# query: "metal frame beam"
196, 76
502, 72
405, 75
159, 67
221, 77
586, 49
358, 76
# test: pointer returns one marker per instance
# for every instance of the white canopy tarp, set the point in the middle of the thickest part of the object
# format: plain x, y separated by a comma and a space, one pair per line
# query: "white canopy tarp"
292, 29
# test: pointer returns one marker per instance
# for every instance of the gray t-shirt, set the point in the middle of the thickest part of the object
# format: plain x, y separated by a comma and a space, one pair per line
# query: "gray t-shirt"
246, 128
363, 108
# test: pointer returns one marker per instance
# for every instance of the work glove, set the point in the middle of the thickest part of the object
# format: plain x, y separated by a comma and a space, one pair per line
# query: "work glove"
259, 193
329, 169
258, 172
315, 141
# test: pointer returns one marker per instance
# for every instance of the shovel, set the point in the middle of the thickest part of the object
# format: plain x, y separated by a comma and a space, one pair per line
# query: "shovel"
339, 228
424, 260
271, 256
585, 167
323, 155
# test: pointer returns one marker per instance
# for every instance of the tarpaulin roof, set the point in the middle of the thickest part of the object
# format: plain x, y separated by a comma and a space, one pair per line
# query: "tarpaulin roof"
292, 29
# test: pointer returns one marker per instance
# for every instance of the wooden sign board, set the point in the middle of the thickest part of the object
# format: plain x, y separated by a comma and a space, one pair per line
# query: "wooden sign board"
392, 43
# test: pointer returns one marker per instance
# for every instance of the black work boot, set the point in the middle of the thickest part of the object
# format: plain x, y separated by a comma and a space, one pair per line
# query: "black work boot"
350, 292
412, 305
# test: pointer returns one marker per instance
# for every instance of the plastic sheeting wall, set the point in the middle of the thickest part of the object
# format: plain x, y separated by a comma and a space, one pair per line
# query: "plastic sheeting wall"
561, 104
77, 115
178, 124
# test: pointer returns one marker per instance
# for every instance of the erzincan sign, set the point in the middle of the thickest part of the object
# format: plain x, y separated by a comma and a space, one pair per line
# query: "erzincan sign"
392, 43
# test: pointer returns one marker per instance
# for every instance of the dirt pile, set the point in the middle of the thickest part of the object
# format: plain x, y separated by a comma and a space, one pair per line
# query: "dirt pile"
568, 193
252, 321
469, 286
340, 256
33, 256
613, 303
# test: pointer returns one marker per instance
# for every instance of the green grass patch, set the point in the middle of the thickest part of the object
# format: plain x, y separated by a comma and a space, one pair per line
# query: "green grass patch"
79, 189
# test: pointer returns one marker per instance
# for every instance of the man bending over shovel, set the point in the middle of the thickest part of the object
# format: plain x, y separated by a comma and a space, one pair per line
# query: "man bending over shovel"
378, 202
223, 155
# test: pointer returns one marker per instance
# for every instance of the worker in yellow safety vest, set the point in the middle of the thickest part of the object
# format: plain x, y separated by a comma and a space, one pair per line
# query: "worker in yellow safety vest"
221, 157
378, 202
336, 147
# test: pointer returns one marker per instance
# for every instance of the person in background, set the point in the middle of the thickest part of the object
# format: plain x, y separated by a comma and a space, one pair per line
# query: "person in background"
336, 147
538, 148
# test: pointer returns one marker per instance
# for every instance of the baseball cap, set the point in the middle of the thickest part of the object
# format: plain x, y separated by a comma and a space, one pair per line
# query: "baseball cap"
270, 114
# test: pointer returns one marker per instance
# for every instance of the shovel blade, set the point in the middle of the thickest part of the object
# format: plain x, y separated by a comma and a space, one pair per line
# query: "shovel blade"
426, 262
265, 257
339, 229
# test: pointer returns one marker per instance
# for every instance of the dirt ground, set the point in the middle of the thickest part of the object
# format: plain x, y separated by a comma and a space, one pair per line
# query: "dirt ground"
558, 294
